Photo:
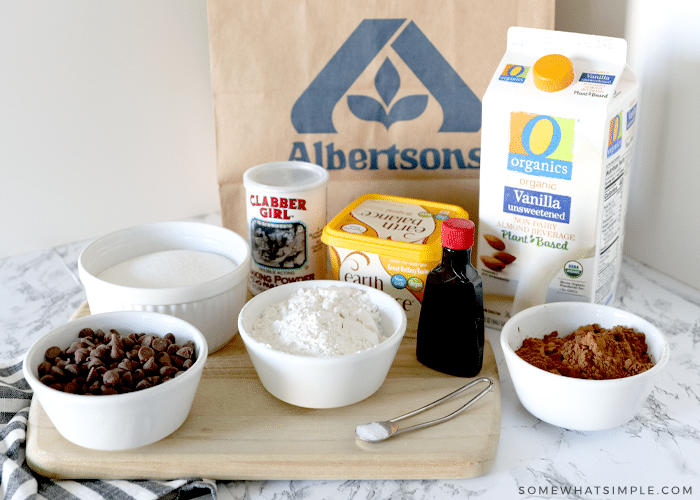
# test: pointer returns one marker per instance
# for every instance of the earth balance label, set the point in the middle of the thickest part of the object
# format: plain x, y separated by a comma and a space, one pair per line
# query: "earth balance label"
541, 145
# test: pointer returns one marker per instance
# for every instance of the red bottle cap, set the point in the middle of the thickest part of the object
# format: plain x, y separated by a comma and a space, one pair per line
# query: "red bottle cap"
457, 234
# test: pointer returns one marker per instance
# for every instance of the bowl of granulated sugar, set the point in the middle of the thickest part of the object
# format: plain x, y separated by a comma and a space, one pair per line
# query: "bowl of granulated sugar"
191, 270
322, 344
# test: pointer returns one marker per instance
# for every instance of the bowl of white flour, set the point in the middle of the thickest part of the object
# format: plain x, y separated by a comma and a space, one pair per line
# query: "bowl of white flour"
322, 344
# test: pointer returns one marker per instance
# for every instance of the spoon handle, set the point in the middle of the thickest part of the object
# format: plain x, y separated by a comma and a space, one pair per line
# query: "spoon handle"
442, 400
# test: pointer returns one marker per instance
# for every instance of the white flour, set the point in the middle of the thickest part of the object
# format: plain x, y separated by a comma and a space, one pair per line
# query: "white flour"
321, 322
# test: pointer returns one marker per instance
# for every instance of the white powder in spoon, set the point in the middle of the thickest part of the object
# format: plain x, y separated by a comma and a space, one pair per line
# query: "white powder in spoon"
321, 322
371, 432
169, 268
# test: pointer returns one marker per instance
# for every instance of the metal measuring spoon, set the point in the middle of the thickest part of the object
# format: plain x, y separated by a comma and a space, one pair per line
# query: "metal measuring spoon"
374, 432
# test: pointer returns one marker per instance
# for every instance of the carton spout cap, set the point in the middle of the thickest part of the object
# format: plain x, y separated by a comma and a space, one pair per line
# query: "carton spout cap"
553, 72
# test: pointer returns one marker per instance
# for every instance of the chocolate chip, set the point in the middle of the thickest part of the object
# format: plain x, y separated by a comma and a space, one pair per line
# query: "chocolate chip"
126, 364
144, 384
138, 375
185, 352
146, 353
116, 352
44, 368
101, 351
110, 378
163, 359
99, 363
72, 368
74, 347
86, 332
168, 371
159, 344
92, 375
177, 360
80, 355
94, 362
150, 365
51, 353
106, 390
73, 387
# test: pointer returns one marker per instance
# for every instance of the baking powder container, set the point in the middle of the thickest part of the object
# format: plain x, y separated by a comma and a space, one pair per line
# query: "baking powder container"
286, 212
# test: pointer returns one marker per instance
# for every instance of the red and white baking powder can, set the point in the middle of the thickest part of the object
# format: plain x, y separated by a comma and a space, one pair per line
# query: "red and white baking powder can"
286, 211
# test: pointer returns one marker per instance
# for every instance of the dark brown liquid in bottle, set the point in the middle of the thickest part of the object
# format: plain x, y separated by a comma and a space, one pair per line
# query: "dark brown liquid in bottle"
451, 323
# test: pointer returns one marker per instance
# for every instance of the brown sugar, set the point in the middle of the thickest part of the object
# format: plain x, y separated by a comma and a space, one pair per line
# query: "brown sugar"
590, 352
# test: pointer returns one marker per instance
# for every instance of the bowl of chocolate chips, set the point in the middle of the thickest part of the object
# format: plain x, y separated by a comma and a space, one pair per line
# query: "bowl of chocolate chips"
117, 380
582, 366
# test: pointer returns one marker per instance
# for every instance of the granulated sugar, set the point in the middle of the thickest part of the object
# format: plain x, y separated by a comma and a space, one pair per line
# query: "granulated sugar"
169, 268
321, 322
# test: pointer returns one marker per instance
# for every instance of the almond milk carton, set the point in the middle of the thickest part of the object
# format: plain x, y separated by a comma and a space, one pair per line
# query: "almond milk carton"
558, 125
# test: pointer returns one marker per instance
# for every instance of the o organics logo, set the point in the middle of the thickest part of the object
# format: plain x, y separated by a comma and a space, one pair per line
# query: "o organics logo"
615, 134
514, 73
541, 145
312, 112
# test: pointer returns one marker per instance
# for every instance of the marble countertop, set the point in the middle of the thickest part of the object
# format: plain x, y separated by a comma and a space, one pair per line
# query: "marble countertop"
657, 453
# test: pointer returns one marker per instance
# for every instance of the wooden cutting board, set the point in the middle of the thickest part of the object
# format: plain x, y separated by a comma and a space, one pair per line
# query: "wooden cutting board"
237, 430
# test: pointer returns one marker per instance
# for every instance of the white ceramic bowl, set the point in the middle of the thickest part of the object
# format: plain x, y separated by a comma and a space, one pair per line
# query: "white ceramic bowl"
212, 306
120, 421
323, 381
571, 403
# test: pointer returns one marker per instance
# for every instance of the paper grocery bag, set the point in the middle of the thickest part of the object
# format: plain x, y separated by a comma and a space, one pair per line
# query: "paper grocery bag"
385, 95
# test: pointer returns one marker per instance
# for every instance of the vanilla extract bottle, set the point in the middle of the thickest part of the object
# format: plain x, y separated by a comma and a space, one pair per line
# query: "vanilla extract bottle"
451, 323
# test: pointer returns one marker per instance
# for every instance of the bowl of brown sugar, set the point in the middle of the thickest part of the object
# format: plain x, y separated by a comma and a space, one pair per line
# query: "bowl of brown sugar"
583, 366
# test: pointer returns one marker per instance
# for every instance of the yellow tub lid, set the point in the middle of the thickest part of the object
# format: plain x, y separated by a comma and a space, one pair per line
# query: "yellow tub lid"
393, 226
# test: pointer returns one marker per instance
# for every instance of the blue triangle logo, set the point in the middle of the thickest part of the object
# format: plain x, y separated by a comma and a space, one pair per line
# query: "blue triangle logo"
312, 112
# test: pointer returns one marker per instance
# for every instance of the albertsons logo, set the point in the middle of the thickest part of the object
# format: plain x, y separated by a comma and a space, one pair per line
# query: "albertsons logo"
312, 112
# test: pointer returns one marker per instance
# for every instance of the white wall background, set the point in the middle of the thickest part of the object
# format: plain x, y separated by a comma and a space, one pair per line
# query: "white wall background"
106, 119
663, 223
